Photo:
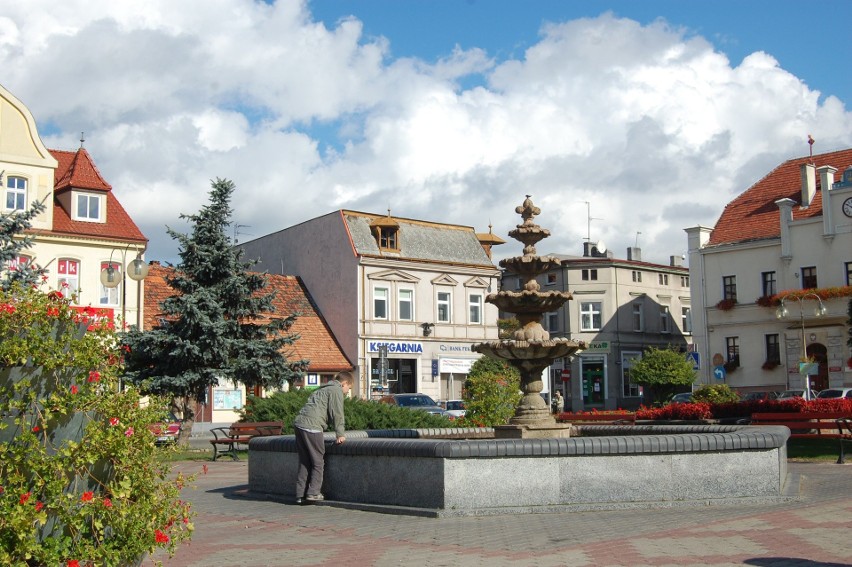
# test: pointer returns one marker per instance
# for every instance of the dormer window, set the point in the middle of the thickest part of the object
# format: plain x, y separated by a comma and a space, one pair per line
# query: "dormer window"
386, 231
88, 207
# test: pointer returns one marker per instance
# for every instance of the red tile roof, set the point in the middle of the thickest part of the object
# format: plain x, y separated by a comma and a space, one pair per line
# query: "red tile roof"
76, 170
755, 216
316, 342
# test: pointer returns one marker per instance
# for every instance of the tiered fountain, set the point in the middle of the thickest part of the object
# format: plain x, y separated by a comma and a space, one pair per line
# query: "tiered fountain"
531, 349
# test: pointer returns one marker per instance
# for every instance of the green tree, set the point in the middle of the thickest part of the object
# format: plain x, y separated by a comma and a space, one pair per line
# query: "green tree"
13, 242
218, 324
491, 393
662, 371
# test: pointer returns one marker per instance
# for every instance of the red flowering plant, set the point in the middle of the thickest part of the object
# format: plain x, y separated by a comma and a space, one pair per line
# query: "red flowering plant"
81, 479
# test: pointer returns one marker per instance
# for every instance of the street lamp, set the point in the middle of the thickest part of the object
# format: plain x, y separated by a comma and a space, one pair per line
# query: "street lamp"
805, 367
137, 269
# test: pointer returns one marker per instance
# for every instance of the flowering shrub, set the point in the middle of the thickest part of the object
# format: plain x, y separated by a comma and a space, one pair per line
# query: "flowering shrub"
726, 304
80, 478
692, 411
744, 409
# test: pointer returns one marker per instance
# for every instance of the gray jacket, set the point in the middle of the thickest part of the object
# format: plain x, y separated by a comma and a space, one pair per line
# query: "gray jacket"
324, 406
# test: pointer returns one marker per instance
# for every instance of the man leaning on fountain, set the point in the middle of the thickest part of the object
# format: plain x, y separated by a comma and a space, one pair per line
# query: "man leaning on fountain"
324, 405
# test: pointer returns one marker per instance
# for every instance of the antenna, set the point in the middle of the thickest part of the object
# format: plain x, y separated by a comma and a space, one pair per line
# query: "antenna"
589, 219
811, 143
237, 232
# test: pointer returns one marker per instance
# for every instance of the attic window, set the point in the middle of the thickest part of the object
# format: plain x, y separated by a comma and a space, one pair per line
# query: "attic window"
388, 238
88, 207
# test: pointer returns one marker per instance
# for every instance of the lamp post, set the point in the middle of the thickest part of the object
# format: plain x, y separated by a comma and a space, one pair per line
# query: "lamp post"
137, 269
805, 367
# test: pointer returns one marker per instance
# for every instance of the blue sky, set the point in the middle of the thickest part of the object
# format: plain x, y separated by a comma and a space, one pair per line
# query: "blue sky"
655, 113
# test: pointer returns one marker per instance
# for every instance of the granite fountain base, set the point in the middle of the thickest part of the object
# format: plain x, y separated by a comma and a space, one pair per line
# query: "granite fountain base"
430, 473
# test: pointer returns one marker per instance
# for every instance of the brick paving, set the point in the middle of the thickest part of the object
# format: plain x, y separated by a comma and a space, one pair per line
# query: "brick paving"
815, 529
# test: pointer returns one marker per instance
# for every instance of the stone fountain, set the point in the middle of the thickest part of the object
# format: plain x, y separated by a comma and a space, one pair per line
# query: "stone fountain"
531, 349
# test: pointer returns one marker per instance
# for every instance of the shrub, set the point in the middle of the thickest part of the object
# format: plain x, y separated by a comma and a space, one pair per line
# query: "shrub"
491, 393
715, 394
360, 414
81, 481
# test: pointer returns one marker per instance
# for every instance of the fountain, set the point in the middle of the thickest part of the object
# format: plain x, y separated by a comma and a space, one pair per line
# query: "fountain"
534, 464
531, 349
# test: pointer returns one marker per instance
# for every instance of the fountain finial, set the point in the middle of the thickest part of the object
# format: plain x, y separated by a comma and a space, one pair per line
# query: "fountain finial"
527, 211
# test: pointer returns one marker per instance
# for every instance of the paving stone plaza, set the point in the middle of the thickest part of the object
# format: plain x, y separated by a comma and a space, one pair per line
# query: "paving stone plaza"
813, 528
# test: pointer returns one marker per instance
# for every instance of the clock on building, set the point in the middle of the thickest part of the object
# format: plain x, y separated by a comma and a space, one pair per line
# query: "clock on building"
847, 207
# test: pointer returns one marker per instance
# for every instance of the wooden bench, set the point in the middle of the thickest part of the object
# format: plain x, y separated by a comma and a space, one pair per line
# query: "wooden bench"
811, 425
239, 433
600, 418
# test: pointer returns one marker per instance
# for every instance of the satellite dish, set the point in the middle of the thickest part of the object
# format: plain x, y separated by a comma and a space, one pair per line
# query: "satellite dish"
600, 246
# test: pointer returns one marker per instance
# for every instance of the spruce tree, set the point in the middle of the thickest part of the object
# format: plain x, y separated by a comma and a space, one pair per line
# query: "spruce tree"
218, 324
13, 242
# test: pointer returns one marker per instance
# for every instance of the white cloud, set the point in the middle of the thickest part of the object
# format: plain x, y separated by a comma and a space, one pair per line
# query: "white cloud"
647, 123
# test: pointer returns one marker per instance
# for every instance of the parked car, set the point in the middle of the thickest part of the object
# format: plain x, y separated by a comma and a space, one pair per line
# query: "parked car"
834, 393
455, 408
166, 432
790, 394
682, 398
756, 396
415, 401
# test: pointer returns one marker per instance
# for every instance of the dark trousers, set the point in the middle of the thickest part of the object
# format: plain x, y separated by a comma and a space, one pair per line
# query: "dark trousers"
311, 449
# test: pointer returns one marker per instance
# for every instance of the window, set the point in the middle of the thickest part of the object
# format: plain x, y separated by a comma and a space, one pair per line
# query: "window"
638, 323
729, 288
552, 322
69, 276
629, 388
665, 320
380, 303
406, 305
732, 345
16, 193
769, 286
444, 306
589, 274
809, 277
110, 295
637, 276
388, 238
88, 207
475, 303
590, 316
848, 273
773, 349
686, 320
684, 281
663, 279
551, 279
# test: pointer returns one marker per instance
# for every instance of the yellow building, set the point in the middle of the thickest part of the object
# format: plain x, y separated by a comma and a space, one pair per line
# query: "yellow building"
84, 229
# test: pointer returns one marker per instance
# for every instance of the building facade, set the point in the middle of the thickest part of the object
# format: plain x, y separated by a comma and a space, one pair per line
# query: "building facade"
619, 308
786, 240
83, 230
405, 298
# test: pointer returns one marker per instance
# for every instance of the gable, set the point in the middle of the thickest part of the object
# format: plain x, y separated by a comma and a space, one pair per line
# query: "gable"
393, 275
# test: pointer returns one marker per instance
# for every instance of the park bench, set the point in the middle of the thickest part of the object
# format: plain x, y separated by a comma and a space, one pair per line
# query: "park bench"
600, 418
811, 425
226, 439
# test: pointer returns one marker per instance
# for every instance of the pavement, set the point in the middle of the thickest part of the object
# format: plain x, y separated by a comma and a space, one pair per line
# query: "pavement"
234, 529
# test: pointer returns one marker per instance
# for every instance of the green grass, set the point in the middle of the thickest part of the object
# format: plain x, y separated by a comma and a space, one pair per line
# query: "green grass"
816, 450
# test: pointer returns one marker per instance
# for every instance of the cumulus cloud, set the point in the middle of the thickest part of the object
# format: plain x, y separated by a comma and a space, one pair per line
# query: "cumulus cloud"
649, 125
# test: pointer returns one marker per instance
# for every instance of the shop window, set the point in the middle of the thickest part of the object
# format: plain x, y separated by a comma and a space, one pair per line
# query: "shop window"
68, 271
629, 388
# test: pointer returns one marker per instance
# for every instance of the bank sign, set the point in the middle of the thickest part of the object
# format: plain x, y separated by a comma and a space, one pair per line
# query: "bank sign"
395, 347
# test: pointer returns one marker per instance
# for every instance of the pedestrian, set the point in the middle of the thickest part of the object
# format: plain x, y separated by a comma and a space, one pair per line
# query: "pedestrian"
557, 402
324, 407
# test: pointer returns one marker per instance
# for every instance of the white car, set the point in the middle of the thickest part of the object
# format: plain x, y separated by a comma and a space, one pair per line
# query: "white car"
834, 393
455, 408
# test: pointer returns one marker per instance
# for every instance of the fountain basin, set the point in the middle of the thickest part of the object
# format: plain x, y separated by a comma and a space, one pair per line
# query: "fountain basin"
411, 472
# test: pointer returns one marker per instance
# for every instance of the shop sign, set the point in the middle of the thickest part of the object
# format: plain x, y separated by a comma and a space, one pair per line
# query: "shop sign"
455, 348
598, 347
455, 365
398, 347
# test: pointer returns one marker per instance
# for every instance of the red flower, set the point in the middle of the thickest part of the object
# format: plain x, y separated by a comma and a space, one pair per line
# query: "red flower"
73, 563
128, 432
24, 497
52, 312
160, 537
74, 389
87, 496
36, 429
94, 376
55, 295
113, 421
39, 506
107, 503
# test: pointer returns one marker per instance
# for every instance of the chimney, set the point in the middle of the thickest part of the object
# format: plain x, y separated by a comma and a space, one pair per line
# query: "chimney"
785, 208
826, 180
634, 253
675, 261
808, 184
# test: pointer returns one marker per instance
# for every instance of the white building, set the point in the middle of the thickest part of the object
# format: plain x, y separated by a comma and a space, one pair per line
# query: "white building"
84, 228
415, 287
619, 308
788, 237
